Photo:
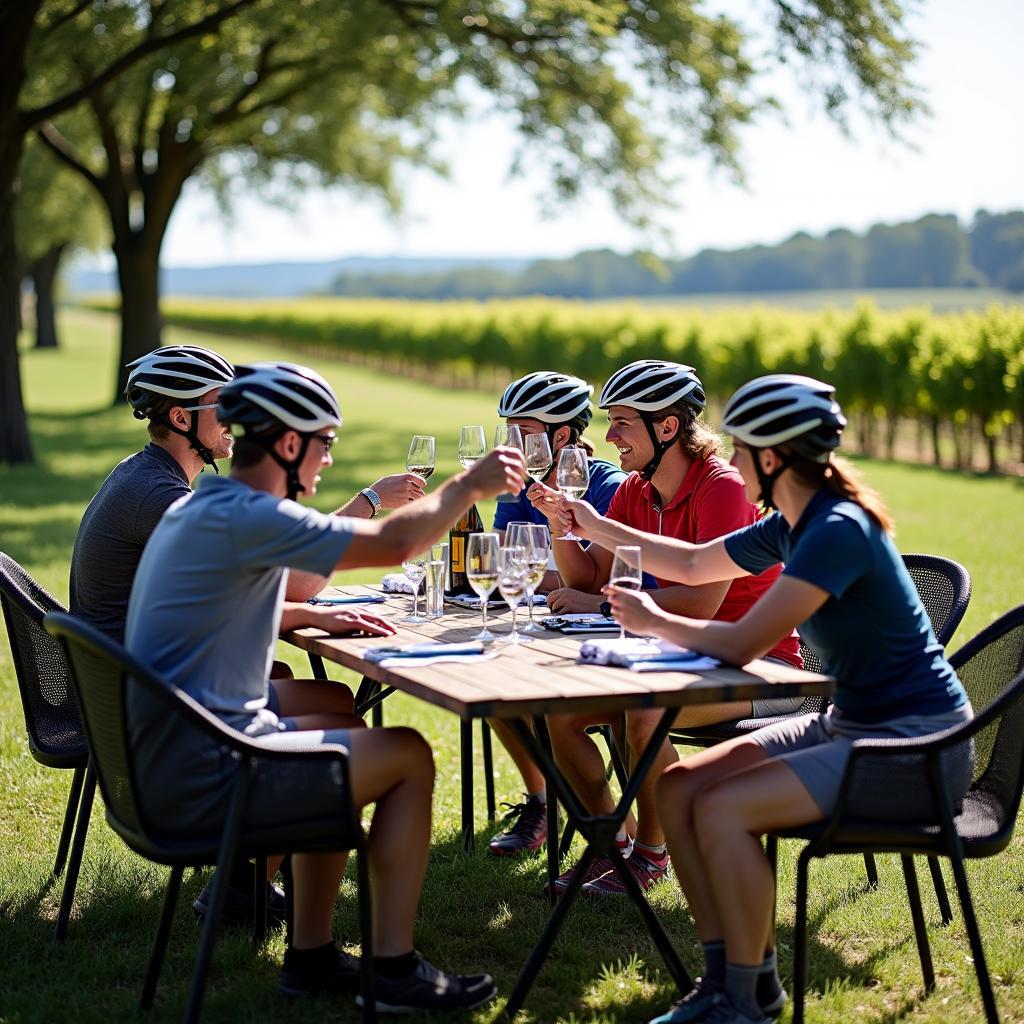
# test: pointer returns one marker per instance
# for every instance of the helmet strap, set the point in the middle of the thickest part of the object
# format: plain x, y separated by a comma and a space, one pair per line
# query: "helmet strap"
291, 466
767, 480
191, 434
660, 447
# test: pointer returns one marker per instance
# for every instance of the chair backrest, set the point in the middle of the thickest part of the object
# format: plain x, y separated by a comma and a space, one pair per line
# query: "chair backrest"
100, 673
44, 680
987, 665
944, 587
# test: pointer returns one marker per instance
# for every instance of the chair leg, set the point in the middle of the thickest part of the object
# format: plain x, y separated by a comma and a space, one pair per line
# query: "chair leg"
364, 896
940, 890
800, 936
974, 935
871, 870
485, 742
917, 915
259, 904
163, 931
67, 897
70, 813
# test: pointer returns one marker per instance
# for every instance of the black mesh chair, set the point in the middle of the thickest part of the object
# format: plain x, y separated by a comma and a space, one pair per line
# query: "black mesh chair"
51, 714
101, 674
992, 668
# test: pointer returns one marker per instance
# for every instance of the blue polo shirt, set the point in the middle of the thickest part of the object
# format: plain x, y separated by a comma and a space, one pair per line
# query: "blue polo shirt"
872, 633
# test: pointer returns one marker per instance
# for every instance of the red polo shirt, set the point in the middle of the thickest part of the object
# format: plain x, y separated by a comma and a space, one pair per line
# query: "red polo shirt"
710, 503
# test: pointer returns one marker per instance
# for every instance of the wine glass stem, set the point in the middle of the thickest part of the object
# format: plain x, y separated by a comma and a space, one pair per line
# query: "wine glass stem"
483, 611
415, 600
529, 605
514, 608
622, 632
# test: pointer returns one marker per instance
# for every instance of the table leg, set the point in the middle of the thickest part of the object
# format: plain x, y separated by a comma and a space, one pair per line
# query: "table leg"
540, 728
316, 664
599, 833
485, 736
466, 728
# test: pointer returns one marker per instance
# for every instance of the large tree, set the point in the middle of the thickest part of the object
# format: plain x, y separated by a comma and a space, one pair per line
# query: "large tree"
336, 91
56, 214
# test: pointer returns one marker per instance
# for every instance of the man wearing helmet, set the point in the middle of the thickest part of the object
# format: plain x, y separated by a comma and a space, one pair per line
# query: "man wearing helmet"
205, 612
558, 405
678, 486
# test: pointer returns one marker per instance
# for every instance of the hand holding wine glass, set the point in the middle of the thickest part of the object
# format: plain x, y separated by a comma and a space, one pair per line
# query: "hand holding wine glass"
626, 573
573, 477
420, 460
472, 445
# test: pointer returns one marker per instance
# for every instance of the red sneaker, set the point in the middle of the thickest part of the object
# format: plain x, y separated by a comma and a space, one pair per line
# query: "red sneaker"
646, 870
599, 867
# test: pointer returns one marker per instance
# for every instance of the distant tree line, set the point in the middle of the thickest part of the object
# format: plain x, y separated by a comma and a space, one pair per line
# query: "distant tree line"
935, 251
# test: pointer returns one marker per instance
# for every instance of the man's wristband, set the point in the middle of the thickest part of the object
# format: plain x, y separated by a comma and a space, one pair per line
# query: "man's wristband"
373, 498
606, 609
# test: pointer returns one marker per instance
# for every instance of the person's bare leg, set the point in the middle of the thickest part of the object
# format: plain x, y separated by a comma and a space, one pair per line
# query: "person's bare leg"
533, 780
729, 818
675, 792
582, 764
316, 703
315, 881
712, 714
394, 768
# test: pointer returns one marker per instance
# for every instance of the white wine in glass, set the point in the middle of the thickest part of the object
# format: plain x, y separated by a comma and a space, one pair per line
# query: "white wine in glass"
482, 573
472, 445
536, 538
420, 459
573, 477
626, 572
538, 455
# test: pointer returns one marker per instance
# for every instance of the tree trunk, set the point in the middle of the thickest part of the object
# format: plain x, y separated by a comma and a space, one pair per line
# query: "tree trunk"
15, 25
936, 451
138, 271
44, 279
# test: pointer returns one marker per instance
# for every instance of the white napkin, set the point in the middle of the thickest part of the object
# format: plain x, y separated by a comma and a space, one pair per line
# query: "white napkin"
438, 660
397, 583
643, 655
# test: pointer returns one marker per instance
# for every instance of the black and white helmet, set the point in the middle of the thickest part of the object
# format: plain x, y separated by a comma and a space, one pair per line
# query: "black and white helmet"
650, 385
549, 397
266, 396
177, 372
786, 408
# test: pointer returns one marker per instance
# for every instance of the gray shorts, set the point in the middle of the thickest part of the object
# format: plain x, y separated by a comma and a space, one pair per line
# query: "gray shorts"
777, 705
817, 747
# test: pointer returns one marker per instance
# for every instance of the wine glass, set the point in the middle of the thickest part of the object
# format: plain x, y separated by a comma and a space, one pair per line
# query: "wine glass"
507, 435
420, 459
415, 568
482, 573
472, 445
573, 477
626, 572
538, 455
536, 538
512, 586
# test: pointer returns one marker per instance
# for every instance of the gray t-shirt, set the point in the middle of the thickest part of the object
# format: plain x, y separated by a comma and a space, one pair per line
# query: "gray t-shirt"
205, 608
113, 532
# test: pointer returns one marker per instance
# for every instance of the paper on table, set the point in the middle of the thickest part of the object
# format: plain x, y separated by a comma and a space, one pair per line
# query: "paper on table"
645, 655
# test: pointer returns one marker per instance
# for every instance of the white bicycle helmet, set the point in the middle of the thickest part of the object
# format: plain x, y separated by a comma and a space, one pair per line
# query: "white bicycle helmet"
650, 386
176, 372
550, 397
268, 398
785, 408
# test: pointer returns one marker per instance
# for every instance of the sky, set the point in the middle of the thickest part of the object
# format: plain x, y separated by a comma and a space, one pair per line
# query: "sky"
802, 174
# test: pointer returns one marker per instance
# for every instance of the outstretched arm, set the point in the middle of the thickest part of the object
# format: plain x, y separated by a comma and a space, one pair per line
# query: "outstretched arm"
787, 604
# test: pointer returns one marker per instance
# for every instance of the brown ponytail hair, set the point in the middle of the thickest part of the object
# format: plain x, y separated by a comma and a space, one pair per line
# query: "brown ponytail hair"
840, 478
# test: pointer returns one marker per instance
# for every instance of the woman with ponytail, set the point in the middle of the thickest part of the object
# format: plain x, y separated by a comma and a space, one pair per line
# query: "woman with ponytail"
845, 588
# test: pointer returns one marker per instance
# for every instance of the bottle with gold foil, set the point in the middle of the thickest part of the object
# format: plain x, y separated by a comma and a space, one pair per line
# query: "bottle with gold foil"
458, 539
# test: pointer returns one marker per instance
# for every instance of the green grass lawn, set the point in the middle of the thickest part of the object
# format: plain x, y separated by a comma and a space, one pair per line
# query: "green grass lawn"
477, 912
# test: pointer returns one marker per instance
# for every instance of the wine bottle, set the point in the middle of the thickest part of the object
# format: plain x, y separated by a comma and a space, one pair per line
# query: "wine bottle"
458, 539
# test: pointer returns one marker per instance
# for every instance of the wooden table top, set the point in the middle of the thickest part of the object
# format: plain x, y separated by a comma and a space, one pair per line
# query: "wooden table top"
542, 677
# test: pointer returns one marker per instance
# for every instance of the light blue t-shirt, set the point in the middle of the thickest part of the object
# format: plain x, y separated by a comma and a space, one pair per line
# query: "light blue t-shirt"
873, 634
205, 607
604, 482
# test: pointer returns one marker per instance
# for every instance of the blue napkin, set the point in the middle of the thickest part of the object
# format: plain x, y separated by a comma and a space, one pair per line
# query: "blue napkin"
423, 650
345, 599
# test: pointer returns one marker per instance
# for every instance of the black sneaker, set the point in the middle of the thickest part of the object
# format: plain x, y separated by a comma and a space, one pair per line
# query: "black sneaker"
239, 906
527, 829
429, 988
341, 977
